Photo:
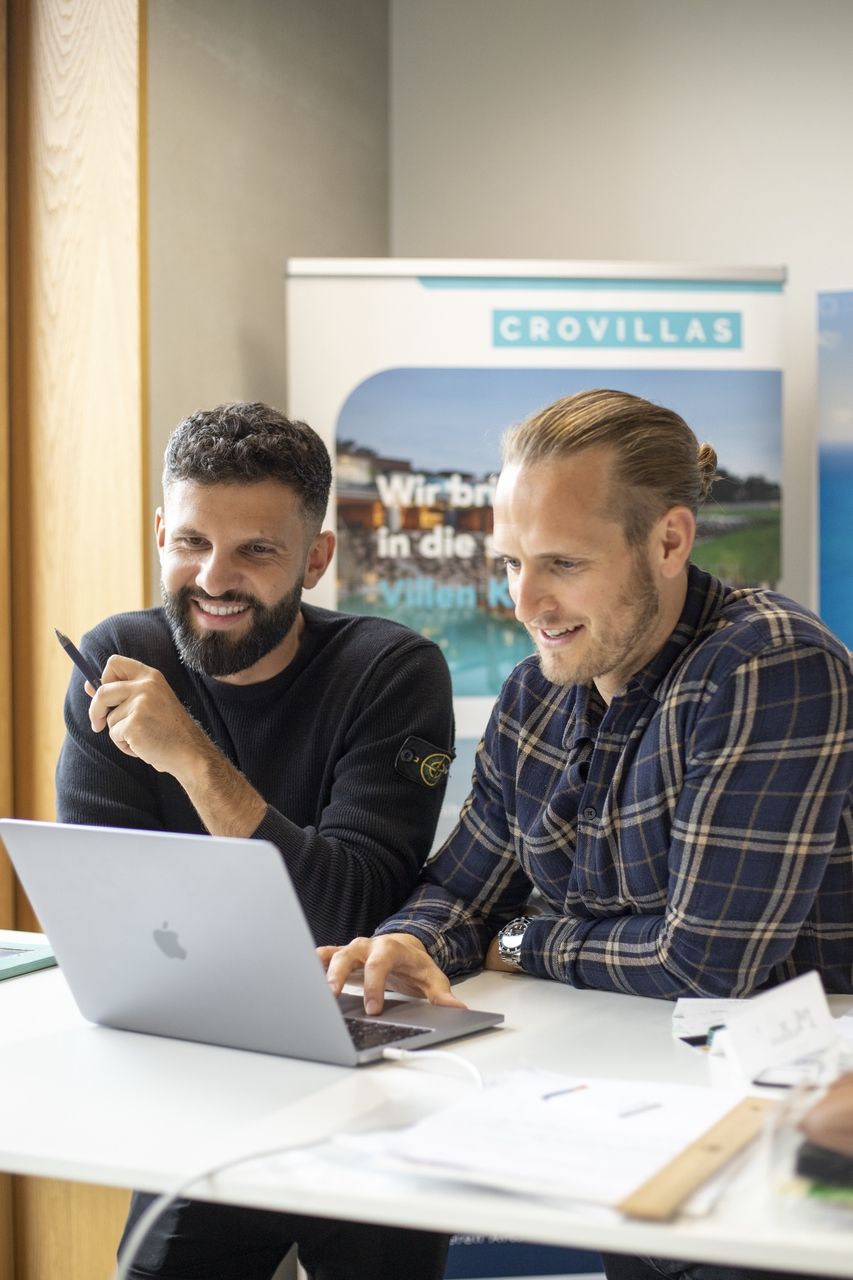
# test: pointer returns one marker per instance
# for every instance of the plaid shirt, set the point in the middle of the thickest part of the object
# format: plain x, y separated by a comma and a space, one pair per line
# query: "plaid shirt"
694, 837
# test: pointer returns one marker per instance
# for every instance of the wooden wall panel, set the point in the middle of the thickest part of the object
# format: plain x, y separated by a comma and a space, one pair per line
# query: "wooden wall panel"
7, 918
76, 364
67, 1230
77, 441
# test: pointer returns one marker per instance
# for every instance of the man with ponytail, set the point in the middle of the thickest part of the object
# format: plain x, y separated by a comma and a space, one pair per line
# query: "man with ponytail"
668, 776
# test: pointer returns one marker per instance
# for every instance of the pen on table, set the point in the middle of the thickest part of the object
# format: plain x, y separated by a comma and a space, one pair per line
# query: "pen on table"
557, 1093
639, 1109
81, 663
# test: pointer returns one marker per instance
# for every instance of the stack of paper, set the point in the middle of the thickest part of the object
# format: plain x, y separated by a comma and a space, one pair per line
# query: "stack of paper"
586, 1139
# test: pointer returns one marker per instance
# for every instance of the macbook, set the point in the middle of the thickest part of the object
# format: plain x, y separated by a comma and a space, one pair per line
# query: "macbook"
202, 938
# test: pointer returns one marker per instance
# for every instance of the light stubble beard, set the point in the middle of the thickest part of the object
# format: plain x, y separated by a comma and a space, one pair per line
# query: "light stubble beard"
215, 653
612, 652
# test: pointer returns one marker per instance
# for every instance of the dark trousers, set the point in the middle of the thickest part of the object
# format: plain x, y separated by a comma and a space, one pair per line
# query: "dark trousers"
618, 1266
193, 1240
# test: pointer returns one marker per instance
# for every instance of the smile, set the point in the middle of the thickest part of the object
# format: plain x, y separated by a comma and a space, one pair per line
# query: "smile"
220, 610
552, 633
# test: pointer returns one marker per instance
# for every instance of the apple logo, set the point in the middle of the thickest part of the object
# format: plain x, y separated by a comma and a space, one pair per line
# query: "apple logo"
167, 941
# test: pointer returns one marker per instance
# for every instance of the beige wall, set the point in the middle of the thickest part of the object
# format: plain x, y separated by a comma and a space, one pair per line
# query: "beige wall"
680, 130
267, 139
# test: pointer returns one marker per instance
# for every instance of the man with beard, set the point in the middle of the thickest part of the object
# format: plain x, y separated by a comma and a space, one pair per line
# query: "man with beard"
237, 710
671, 770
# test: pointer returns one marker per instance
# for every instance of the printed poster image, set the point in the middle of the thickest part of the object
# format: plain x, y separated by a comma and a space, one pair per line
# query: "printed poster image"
418, 450
412, 369
835, 387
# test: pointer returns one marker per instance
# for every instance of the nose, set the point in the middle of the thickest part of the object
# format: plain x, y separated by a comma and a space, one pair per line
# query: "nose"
216, 573
530, 596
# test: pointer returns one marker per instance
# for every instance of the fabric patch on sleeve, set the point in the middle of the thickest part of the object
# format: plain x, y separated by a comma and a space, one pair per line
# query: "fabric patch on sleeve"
423, 762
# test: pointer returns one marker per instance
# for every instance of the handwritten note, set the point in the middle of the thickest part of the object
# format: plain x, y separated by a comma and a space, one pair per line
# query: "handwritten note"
788, 1022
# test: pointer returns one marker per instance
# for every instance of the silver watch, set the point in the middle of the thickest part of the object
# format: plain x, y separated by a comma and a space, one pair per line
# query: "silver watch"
510, 938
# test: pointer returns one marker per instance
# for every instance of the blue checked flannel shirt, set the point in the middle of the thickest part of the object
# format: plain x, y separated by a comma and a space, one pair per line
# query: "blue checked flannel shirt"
694, 837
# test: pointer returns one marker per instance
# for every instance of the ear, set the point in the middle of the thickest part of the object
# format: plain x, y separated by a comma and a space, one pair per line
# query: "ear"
672, 541
160, 531
320, 553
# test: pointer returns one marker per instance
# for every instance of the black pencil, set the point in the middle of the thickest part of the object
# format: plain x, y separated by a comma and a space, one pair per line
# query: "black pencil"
81, 663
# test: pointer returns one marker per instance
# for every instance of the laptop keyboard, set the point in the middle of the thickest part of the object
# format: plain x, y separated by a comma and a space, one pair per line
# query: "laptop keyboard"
369, 1033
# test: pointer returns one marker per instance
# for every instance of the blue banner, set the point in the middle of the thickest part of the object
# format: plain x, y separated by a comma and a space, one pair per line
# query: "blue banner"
835, 396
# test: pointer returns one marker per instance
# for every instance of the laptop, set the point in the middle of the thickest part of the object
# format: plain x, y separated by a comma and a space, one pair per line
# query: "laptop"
202, 938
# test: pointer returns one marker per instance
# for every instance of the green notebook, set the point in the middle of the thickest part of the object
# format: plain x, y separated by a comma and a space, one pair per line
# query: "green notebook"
23, 952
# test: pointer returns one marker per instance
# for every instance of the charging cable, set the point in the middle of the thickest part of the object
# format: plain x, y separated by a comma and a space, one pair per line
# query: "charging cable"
415, 1055
164, 1201
168, 1198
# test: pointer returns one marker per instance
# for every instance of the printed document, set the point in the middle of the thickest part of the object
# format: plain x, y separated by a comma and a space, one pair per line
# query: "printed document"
581, 1138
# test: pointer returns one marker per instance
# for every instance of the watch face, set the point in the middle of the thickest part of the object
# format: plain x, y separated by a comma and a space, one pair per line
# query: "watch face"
509, 941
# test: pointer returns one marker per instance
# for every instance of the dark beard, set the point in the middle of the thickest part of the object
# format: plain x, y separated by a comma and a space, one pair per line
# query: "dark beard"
216, 654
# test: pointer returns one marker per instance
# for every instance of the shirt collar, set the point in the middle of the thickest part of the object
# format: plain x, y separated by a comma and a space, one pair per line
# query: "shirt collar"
585, 708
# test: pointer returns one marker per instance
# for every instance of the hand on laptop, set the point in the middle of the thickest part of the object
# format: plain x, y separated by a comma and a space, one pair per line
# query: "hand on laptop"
396, 961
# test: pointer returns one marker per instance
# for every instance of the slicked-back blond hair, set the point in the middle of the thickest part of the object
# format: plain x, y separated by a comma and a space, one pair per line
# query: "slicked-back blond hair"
658, 462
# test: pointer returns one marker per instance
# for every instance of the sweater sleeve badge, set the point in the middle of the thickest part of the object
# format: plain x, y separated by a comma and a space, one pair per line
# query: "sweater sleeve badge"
421, 761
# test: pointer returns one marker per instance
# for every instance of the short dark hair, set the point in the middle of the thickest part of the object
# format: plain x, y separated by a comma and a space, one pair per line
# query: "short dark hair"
245, 443
659, 463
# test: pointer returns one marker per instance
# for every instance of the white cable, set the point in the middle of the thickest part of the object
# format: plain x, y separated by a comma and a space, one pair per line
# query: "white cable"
412, 1055
163, 1201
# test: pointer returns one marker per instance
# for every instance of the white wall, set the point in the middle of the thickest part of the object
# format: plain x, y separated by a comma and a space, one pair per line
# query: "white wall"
267, 139
709, 131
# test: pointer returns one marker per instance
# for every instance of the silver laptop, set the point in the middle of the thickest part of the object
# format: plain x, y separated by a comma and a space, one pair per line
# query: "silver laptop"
202, 938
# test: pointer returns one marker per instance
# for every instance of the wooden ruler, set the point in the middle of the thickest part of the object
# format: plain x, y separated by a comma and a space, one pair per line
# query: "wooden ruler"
660, 1197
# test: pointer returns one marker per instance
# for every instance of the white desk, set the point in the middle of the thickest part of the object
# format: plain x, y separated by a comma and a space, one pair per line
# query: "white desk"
94, 1105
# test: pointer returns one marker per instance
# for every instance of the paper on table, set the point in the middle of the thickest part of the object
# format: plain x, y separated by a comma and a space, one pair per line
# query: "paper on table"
844, 1027
695, 1015
779, 1026
587, 1139
778, 1037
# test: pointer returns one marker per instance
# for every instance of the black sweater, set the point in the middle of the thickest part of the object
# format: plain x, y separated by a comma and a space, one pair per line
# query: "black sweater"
319, 742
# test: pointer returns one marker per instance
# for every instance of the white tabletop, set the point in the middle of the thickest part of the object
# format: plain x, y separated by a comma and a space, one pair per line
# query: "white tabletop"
111, 1107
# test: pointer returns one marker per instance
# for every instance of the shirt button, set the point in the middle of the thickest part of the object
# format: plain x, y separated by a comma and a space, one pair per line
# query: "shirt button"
590, 811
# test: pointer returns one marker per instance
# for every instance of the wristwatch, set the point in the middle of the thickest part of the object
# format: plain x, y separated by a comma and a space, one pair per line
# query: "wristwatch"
510, 938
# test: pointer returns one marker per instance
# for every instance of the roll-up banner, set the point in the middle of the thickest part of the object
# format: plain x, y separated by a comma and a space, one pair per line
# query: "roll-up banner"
835, 451
412, 370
